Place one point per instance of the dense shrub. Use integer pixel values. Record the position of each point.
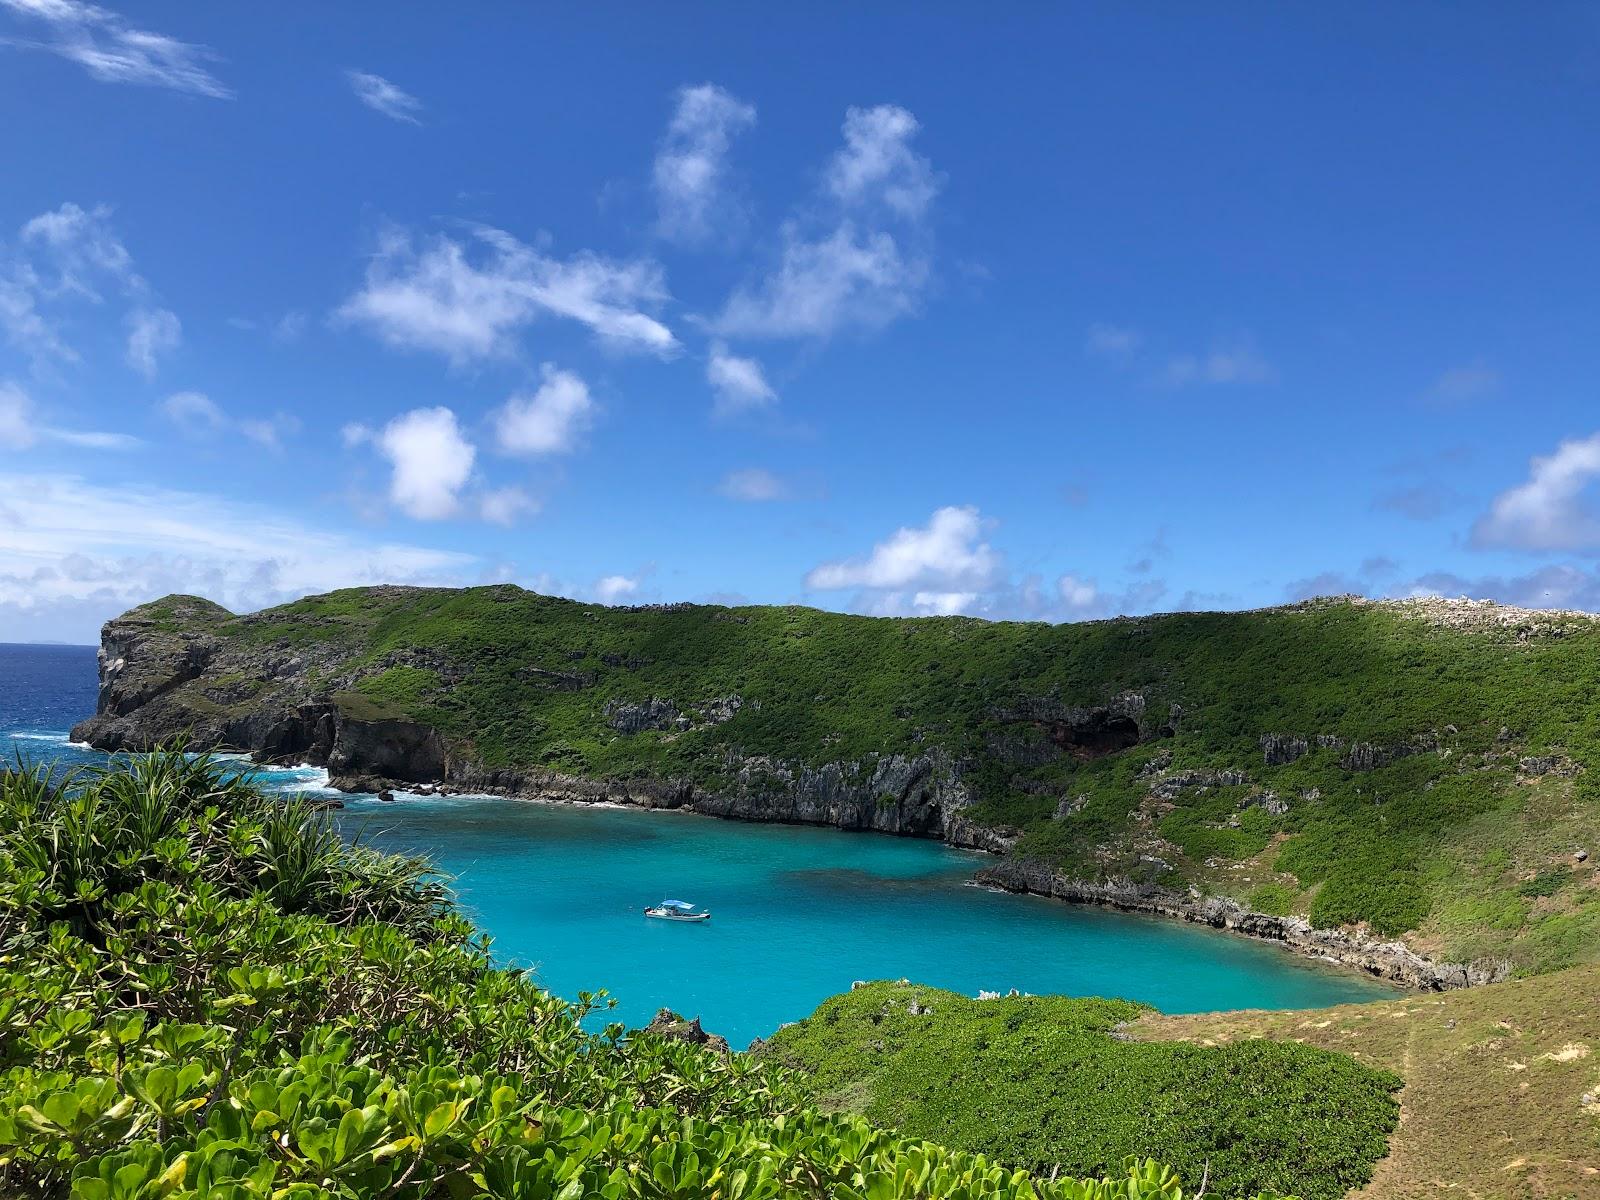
(1043, 1083)
(205, 994)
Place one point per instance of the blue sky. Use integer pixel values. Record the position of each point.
(1050, 312)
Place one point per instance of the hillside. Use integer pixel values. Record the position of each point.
(1502, 1084)
(1049, 1082)
(1499, 1095)
(1420, 768)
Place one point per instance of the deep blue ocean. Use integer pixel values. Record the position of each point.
(798, 913)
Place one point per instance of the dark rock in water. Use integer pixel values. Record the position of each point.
(324, 805)
(386, 796)
(668, 1024)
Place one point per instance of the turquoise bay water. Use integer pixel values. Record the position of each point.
(798, 913)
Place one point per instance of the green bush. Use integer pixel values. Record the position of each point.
(1042, 1082)
(205, 995)
(1273, 898)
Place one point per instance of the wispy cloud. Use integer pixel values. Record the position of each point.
(753, 485)
(198, 416)
(878, 166)
(850, 278)
(1113, 341)
(21, 427)
(443, 298)
(378, 94)
(506, 506)
(1240, 364)
(690, 177)
(739, 383)
(112, 51)
(65, 261)
(74, 553)
(864, 262)
(152, 332)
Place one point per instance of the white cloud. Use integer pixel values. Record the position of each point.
(505, 506)
(269, 432)
(83, 248)
(739, 383)
(943, 604)
(194, 412)
(877, 164)
(92, 439)
(1549, 511)
(1079, 596)
(1112, 340)
(431, 461)
(152, 332)
(866, 265)
(74, 553)
(197, 415)
(851, 277)
(548, 422)
(290, 327)
(355, 433)
(753, 484)
(112, 51)
(690, 175)
(614, 589)
(378, 94)
(72, 255)
(945, 555)
(1239, 365)
(16, 418)
(20, 428)
(437, 298)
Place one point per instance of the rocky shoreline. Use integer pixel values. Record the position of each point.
(1393, 961)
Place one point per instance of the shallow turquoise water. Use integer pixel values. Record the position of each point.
(798, 913)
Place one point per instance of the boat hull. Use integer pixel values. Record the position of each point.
(667, 916)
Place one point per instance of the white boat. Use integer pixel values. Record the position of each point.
(676, 910)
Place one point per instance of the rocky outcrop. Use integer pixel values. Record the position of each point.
(1089, 733)
(1389, 960)
(669, 1025)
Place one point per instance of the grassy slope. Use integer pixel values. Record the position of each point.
(1042, 1083)
(1446, 844)
(1501, 1083)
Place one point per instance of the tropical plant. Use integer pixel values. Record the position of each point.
(207, 995)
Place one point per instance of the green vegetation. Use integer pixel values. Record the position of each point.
(1043, 1082)
(206, 995)
(1422, 728)
(1502, 1083)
